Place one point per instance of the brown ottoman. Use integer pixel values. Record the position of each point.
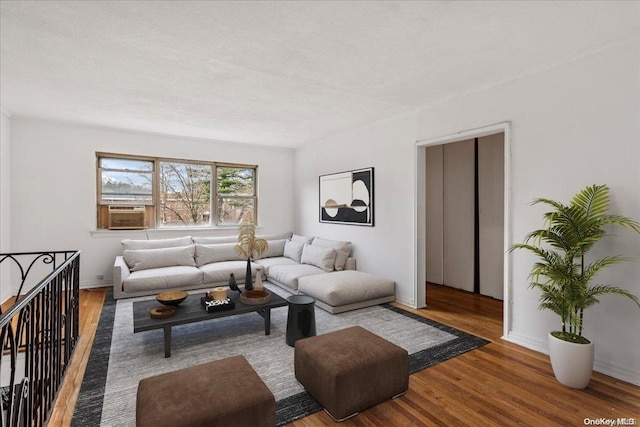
(226, 392)
(350, 370)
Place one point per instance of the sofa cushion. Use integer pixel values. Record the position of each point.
(288, 275)
(323, 258)
(275, 249)
(346, 287)
(301, 239)
(280, 236)
(266, 263)
(143, 259)
(160, 279)
(214, 240)
(206, 254)
(293, 250)
(343, 249)
(211, 240)
(218, 272)
(128, 244)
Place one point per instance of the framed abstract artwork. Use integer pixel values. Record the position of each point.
(347, 197)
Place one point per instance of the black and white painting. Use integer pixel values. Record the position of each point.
(347, 197)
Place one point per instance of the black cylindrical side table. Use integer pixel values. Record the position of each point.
(301, 320)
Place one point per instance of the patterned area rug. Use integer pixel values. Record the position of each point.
(120, 359)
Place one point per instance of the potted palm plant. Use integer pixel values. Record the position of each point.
(564, 274)
(248, 245)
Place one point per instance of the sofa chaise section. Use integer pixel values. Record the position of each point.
(346, 290)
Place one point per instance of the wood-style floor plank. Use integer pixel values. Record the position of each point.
(91, 301)
(499, 384)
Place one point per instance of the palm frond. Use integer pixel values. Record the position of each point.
(595, 291)
(592, 269)
(592, 200)
(621, 221)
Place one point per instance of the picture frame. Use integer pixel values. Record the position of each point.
(347, 197)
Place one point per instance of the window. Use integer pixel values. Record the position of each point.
(185, 194)
(126, 181)
(175, 193)
(235, 193)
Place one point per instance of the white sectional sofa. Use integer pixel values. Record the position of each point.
(299, 264)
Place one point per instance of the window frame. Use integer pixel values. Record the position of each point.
(217, 195)
(155, 210)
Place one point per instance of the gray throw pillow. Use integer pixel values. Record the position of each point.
(144, 259)
(323, 258)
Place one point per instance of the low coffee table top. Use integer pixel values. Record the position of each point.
(191, 310)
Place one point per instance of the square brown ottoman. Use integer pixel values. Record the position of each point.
(351, 370)
(226, 392)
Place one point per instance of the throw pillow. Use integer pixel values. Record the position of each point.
(206, 254)
(143, 259)
(323, 258)
(301, 239)
(128, 244)
(343, 249)
(293, 250)
(275, 249)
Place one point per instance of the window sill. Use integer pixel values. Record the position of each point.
(154, 233)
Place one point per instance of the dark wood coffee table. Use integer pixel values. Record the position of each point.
(191, 310)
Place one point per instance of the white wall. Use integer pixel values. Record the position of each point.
(573, 125)
(53, 181)
(6, 289)
(387, 248)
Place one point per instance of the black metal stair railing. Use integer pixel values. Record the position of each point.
(39, 334)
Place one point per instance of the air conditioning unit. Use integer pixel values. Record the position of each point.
(126, 217)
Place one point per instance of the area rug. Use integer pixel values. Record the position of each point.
(119, 358)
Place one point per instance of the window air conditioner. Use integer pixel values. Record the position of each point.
(126, 217)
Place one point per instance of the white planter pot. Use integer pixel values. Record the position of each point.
(572, 363)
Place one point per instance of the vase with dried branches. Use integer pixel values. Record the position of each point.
(248, 245)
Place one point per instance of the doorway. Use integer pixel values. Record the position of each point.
(465, 215)
(462, 213)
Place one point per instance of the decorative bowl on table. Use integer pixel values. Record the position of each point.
(255, 297)
(172, 298)
(162, 312)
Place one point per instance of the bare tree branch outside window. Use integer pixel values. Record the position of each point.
(185, 194)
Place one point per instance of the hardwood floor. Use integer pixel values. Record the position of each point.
(91, 301)
(500, 384)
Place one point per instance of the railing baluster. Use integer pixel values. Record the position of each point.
(42, 327)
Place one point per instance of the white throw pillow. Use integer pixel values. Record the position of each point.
(132, 245)
(293, 250)
(323, 258)
(276, 248)
(143, 259)
(343, 249)
(301, 239)
(206, 254)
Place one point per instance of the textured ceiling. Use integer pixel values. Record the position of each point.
(279, 73)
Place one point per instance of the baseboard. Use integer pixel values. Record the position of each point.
(606, 368)
(88, 284)
(624, 374)
(527, 341)
(406, 302)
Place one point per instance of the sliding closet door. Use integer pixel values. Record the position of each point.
(459, 214)
(491, 214)
(434, 214)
